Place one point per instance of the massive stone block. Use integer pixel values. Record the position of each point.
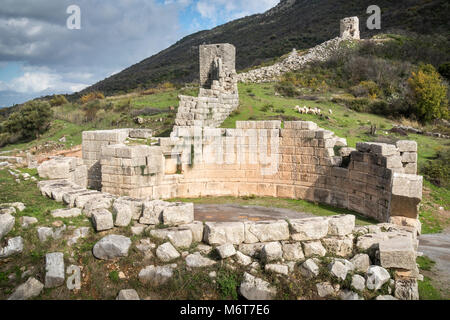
(406, 195)
(219, 233)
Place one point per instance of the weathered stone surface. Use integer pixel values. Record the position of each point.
(19, 206)
(376, 277)
(398, 253)
(309, 269)
(104, 201)
(349, 295)
(26, 222)
(341, 225)
(102, 220)
(338, 269)
(179, 237)
(138, 229)
(271, 251)
(253, 288)
(111, 247)
(309, 228)
(44, 233)
(134, 206)
(406, 146)
(178, 213)
(406, 195)
(326, 289)
(293, 252)
(407, 222)
(14, 246)
(242, 259)
(197, 230)
(361, 262)
(277, 268)
(252, 250)
(78, 233)
(218, 233)
(6, 224)
(370, 241)
(30, 289)
(155, 276)
(197, 261)
(54, 270)
(407, 289)
(266, 231)
(226, 250)
(128, 294)
(167, 252)
(123, 217)
(66, 213)
(152, 212)
(7, 210)
(358, 282)
(385, 297)
(339, 246)
(313, 249)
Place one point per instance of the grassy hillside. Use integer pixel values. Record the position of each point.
(292, 24)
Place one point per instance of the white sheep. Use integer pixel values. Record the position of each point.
(330, 111)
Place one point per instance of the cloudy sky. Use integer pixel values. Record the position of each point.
(39, 55)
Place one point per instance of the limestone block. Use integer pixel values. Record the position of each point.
(30, 289)
(197, 230)
(376, 277)
(152, 212)
(102, 220)
(313, 248)
(339, 246)
(309, 228)
(397, 253)
(266, 231)
(309, 269)
(180, 237)
(54, 270)
(111, 247)
(407, 146)
(128, 294)
(293, 251)
(406, 195)
(226, 250)
(407, 289)
(6, 224)
(155, 276)
(166, 252)
(178, 213)
(218, 233)
(338, 269)
(253, 288)
(271, 252)
(341, 225)
(197, 261)
(277, 268)
(361, 262)
(409, 157)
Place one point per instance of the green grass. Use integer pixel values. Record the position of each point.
(425, 263)
(427, 291)
(114, 276)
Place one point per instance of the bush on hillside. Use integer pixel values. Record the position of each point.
(91, 109)
(437, 171)
(58, 100)
(91, 97)
(32, 120)
(428, 94)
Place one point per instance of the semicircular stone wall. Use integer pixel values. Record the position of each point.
(294, 159)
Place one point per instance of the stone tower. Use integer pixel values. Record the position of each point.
(350, 28)
(216, 61)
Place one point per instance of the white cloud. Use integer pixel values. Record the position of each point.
(38, 81)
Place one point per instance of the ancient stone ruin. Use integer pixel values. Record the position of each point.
(127, 181)
(350, 28)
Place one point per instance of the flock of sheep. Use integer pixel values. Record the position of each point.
(306, 110)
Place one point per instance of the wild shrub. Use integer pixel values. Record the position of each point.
(91, 109)
(428, 94)
(437, 171)
(58, 100)
(91, 97)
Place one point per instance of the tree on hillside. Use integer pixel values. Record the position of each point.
(32, 120)
(58, 100)
(428, 94)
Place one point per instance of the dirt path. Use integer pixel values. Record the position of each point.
(231, 212)
(437, 248)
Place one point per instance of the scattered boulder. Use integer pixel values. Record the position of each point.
(135, 206)
(66, 213)
(128, 294)
(226, 250)
(167, 252)
(179, 237)
(309, 269)
(361, 262)
(349, 295)
(102, 202)
(397, 253)
(123, 218)
(277, 268)
(252, 250)
(102, 220)
(358, 282)
(253, 288)
(78, 233)
(326, 289)
(6, 224)
(7, 210)
(339, 246)
(242, 259)
(376, 277)
(14, 246)
(338, 269)
(26, 222)
(155, 276)
(54, 270)
(197, 261)
(271, 251)
(30, 289)
(314, 249)
(197, 230)
(138, 229)
(111, 247)
(44, 233)
(152, 212)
